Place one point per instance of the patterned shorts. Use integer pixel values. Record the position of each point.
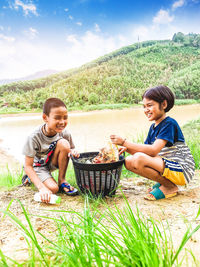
(174, 172)
(179, 163)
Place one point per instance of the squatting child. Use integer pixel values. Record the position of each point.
(164, 157)
(48, 149)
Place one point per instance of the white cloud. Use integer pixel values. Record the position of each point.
(66, 9)
(177, 4)
(1, 28)
(89, 46)
(140, 32)
(163, 17)
(97, 28)
(31, 33)
(24, 57)
(6, 38)
(79, 23)
(27, 8)
(70, 17)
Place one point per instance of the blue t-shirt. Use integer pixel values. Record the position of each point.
(168, 129)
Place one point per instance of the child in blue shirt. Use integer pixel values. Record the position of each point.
(164, 157)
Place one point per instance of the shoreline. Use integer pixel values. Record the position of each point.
(74, 112)
(8, 162)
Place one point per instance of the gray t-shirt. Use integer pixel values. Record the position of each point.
(41, 147)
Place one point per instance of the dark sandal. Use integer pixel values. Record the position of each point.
(26, 181)
(68, 186)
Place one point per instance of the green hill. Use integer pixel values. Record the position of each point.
(119, 77)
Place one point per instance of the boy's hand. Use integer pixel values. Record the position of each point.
(122, 150)
(74, 153)
(45, 194)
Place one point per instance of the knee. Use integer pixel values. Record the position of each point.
(54, 189)
(135, 162)
(63, 145)
(129, 163)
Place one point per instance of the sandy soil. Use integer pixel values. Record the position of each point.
(178, 212)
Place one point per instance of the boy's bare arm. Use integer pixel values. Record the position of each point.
(32, 174)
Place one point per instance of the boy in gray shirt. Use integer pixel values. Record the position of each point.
(48, 149)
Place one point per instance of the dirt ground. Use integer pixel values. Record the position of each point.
(178, 212)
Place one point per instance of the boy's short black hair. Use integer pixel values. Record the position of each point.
(159, 94)
(52, 102)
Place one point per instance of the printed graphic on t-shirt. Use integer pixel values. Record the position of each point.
(45, 161)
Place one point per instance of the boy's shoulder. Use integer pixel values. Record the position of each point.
(36, 131)
(65, 132)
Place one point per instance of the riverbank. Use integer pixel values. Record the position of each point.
(6, 111)
(8, 162)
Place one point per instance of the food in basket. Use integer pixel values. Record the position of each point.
(107, 154)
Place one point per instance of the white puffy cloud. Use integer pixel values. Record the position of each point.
(163, 17)
(31, 33)
(140, 32)
(177, 4)
(79, 23)
(24, 57)
(97, 28)
(27, 8)
(66, 9)
(7, 38)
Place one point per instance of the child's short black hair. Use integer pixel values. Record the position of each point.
(159, 94)
(52, 103)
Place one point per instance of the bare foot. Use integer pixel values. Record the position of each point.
(67, 190)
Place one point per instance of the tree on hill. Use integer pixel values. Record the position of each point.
(191, 39)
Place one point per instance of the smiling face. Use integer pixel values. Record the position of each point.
(154, 111)
(56, 121)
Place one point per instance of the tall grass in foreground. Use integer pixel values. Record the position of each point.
(9, 179)
(191, 132)
(115, 238)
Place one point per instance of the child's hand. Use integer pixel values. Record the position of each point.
(74, 153)
(117, 140)
(122, 150)
(45, 194)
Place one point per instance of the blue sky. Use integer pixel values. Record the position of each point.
(60, 34)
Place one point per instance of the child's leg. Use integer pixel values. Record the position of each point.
(151, 168)
(52, 185)
(60, 159)
(46, 178)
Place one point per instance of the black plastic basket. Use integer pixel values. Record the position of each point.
(97, 179)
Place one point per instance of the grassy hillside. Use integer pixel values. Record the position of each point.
(119, 77)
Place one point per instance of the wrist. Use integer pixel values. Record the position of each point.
(123, 142)
(40, 186)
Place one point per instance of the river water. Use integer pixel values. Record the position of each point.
(90, 130)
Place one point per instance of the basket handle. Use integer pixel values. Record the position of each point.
(71, 156)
